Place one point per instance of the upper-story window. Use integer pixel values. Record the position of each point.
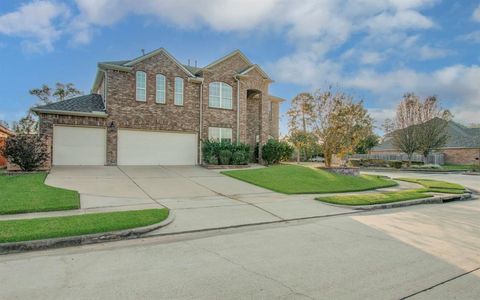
(141, 86)
(220, 95)
(160, 93)
(178, 91)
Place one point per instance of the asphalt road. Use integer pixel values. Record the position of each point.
(420, 252)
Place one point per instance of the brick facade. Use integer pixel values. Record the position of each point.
(453, 156)
(124, 112)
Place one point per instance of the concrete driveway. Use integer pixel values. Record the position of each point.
(200, 198)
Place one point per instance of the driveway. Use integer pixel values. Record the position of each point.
(200, 198)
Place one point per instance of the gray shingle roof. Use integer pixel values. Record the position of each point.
(87, 104)
(459, 136)
(192, 69)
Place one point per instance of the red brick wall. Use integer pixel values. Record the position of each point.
(3, 161)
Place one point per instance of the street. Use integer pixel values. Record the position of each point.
(422, 252)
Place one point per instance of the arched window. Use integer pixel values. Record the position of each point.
(141, 86)
(160, 93)
(220, 95)
(178, 91)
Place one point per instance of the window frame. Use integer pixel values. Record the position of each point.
(221, 134)
(221, 98)
(176, 93)
(157, 90)
(137, 88)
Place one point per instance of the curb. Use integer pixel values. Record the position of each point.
(86, 239)
(430, 200)
(426, 171)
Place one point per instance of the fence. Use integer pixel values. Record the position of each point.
(434, 158)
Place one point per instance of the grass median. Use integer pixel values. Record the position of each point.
(27, 193)
(291, 179)
(430, 186)
(54, 227)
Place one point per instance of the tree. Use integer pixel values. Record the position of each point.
(47, 95)
(388, 126)
(300, 109)
(4, 123)
(304, 142)
(367, 144)
(415, 130)
(27, 151)
(26, 125)
(338, 122)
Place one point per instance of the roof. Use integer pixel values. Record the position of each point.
(6, 131)
(236, 52)
(253, 67)
(82, 105)
(459, 136)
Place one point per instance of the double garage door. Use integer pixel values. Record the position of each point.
(87, 146)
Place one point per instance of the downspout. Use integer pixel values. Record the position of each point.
(201, 124)
(238, 109)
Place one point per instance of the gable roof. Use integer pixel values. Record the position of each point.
(221, 59)
(459, 136)
(254, 67)
(91, 104)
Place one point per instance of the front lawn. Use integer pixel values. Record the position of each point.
(430, 186)
(291, 179)
(28, 193)
(53, 227)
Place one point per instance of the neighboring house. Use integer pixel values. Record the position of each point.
(463, 145)
(153, 110)
(4, 134)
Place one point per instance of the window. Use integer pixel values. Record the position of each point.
(220, 95)
(220, 134)
(160, 94)
(141, 82)
(178, 91)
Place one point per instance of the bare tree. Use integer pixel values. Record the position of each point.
(62, 91)
(299, 123)
(26, 125)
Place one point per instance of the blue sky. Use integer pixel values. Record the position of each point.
(375, 49)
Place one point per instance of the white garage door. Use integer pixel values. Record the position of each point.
(156, 148)
(79, 146)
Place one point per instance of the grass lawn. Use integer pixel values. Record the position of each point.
(27, 193)
(52, 227)
(457, 167)
(292, 179)
(430, 186)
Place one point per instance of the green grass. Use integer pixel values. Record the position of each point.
(28, 193)
(291, 179)
(457, 167)
(430, 186)
(44, 228)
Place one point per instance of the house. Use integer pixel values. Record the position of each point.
(153, 110)
(462, 147)
(4, 134)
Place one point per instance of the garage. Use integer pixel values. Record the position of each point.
(136, 147)
(79, 146)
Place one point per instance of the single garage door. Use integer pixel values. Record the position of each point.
(75, 146)
(137, 147)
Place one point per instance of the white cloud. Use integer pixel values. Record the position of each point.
(426, 52)
(35, 23)
(473, 36)
(476, 14)
(371, 58)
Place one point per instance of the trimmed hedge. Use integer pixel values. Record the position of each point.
(274, 152)
(225, 153)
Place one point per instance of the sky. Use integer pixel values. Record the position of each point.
(376, 50)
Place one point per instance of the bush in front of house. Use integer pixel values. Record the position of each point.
(397, 164)
(274, 151)
(225, 153)
(28, 151)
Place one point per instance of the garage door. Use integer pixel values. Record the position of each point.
(79, 146)
(156, 148)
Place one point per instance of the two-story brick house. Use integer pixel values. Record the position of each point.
(153, 110)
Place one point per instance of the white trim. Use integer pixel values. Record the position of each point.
(175, 91)
(255, 67)
(227, 57)
(221, 96)
(164, 89)
(140, 88)
(155, 52)
(70, 113)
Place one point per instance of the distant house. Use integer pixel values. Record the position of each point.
(4, 134)
(463, 145)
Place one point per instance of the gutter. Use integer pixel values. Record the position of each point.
(70, 113)
(201, 124)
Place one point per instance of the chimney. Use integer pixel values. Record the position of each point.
(143, 51)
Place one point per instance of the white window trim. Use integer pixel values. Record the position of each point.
(222, 133)
(157, 91)
(222, 99)
(178, 94)
(143, 88)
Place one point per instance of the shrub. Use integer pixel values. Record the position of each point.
(427, 166)
(27, 151)
(239, 158)
(225, 156)
(475, 168)
(397, 164)
(355, 162)
(274, 151)
(212, 150)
